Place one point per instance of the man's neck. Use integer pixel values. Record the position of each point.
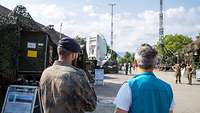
(141, 70)
(66, 61)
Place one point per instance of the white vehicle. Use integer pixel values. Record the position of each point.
(96, 47)
(198, 74)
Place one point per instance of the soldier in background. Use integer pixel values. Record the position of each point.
(188, 71)
(126, 68)
(130, 68)
(177, 70)
(65, 88)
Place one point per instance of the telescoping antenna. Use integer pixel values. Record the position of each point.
(111, 41)
(161, 29)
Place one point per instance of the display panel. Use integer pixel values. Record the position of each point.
(20, 99)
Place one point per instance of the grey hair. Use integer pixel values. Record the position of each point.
(146, 56)
(61, 50)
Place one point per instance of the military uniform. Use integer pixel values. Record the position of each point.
(126, 70)
(188, 71)
(177, 70)
(65, 89)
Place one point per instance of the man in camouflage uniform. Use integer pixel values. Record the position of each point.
(65, 88)
(177, 70)
(126, 68)
(188, 70)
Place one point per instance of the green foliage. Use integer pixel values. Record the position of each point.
(113, 56)
(173, 44)
(80, 40)
(127, 58)
(113, 53)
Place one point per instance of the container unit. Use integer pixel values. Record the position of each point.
(36, 52)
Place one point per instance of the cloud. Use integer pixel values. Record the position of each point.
(182, 20)
(47, 11)
(88, 9)
(129, 30)
(133, 31)
(43, 13)
(12, 3)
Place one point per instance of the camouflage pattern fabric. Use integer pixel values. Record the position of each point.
(188, 71)
(65, 89)
(177, 70)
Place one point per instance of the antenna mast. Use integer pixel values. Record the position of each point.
(161, 29)
(111, 41)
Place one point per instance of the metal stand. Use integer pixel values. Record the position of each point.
(38, 103)
(22, 97)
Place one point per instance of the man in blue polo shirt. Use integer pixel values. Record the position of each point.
(145, 93)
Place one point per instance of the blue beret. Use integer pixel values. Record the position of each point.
(69, 44)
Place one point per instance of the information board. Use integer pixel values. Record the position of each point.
(19, 99)
(99, 76)
(31, 45)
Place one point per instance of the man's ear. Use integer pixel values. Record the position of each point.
(73, 56)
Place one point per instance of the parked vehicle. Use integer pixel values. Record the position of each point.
(96, 47)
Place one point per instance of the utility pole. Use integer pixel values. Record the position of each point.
(60, 30)
(161, 29)
(111, 41)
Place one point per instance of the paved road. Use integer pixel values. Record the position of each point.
(187, 97)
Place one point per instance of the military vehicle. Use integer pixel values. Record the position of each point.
(96, 47)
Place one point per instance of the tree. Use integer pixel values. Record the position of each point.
(121, 60)
(113, 53)
(80, 40)
(172, 44)
(127, 58)
(170, 49)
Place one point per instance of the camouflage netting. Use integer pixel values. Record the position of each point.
(10, 27)
(8, 53)
(8, 47)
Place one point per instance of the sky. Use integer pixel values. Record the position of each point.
(135, 21)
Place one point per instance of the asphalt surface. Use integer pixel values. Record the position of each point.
(187, 97)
